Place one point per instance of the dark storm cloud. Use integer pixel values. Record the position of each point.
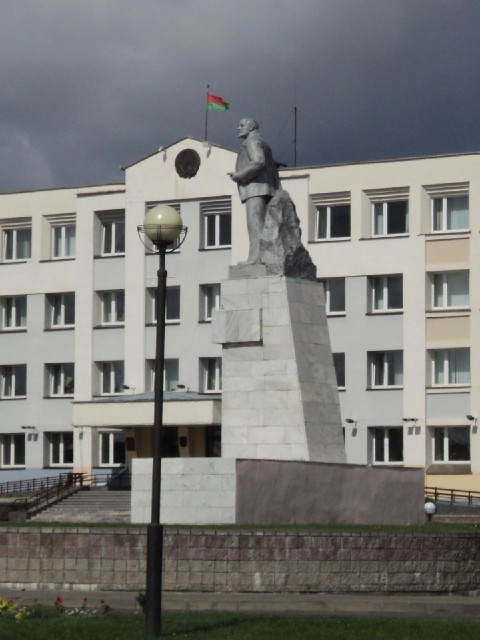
(89, 86)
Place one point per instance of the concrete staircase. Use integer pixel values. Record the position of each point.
(92, 505)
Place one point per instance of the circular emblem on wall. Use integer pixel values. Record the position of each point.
(187, 163)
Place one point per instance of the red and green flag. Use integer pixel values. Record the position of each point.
(216, 103)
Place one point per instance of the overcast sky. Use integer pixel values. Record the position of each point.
(89, 86)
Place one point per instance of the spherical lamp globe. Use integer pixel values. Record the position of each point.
(163, 224)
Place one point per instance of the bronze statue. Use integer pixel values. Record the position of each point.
(257, 178)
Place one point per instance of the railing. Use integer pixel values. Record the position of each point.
(38, 492)
(38, 484)
(453, 495)
(41, 492)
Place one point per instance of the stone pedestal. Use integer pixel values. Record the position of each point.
(279, 390)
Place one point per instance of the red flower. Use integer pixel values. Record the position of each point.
(58, 600)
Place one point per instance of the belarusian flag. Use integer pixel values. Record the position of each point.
(217, 103)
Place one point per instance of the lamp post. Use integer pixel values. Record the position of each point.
(163, 227)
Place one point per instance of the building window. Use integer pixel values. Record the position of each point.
(170, 374)
(217, 223)
(17, 244)
(112, 377)
(451, 444)
(13, 381)
(339, 364)
(211, 369)
(390, 218)
(63, 241)
(60, 449)
(62, 310)
(450, 214)
(334, 296)
(386, 368)
(61, 379)
(12, 450)
(113, 307)
(333, 221)
(450, 289)
(387, 444)
(14, 312)
(209, 301)
(451, 366)
(112, 448)
(113, 236)
(387, 293)
(172, 305)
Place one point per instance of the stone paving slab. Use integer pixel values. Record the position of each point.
(375, 605)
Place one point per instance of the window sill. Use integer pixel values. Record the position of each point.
(67, 327)
(387, 236)
(388, 464)
(62, 259)
(10, 398)
(205, 321)
(336, 314)
(459, 388)
(448, 312)
(386, 388)
(449, 468)
(385, 312)
(12, 466)
(440, 235)
(14, 330)
(16, 261)
(220, 248)
(101, 256)
(67, 465)
(322, 240)
(68, 396)
(113, 325)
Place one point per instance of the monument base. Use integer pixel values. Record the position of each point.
(212, 491)
(279, 388)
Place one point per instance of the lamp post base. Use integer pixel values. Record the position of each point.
(153, 596)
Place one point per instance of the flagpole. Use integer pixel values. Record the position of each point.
(206, 113)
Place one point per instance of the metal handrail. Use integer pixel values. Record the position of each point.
(452, 495)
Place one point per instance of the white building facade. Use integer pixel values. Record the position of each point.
(394, 242)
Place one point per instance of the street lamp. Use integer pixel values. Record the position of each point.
(164, 228)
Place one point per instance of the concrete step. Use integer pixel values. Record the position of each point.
(94, 505)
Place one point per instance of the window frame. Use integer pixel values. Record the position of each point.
(63, 448)
(113, 304)
(385, 434)
(12, 440)
(446, 370)
(14, 230)
(168, 362)
(221, 213)
(14, 313)
(58, 378)
(329, 294)
(338, 366)
(211, 369)
(329, 210)
(63, 300)
(114, 223)
(389, 367)
(446, 290)
(209, 292)
(10, 373)
(110, 436)
(445, 442)
(385, 282)
(114, 370)
(64, 241)
(444, 213)
(386, 216)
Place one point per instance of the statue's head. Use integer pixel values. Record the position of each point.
(245, 126)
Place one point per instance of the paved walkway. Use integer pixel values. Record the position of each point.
(405, 605)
